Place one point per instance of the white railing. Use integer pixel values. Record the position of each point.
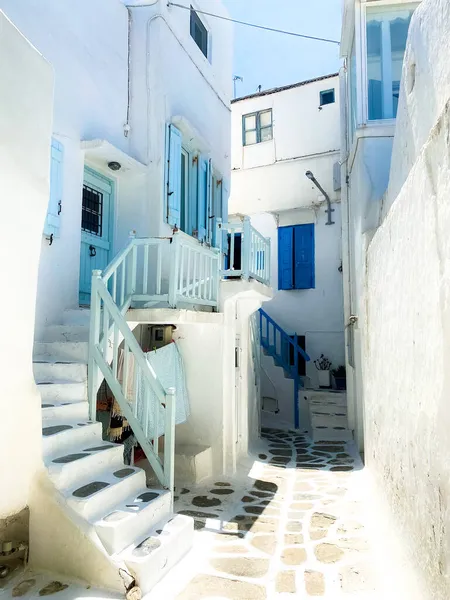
(115, 353)
(253, 259)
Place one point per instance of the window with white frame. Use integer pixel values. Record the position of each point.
(257, 127)
(199, 33)
(387, 32)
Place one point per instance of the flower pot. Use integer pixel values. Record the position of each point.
(340, 383)
(324, 379)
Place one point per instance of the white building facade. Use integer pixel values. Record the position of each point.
(138, 140)
(277, 137)
(373, 43)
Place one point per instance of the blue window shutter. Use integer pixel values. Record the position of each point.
(202, 197)
(304, 271)
(285, 258)
(192, 197)
(209, 204)
(225, 197)
(53, 219)
(173, 174)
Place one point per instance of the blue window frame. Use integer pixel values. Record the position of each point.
(296, 257)
(327, 97)
(257, 127)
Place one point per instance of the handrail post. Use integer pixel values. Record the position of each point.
(132, 236)
(174, 270)
(219, 242)
(169, 441)
(246, 249)
(269, 257)
(94, 338)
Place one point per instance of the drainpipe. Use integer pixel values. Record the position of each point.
(310, 175)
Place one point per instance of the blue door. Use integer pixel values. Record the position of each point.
(96, 222)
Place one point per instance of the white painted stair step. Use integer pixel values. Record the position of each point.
(59, 436)
(94, 497)
(64, 391)
(329, 421)
(77, 316)
(131, 520)
(66, 333)
(67, 351)
(331, 434)
(59, 371)
(157, 553)
(68, 469)
(63, 411)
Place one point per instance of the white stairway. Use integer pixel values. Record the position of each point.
(328, 410)
(124, 526)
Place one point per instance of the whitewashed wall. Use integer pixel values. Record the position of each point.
(407, 380)
(26, 97)
(270, 176)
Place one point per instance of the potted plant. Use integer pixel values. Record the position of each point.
(323, 365)
(340, 378)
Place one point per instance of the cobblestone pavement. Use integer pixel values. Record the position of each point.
(292, 526)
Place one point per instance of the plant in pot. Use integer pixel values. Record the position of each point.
(340, 378)
(323, 365)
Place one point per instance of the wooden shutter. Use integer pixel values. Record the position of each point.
(285, 258)
(53, 219)
(173, 175)
(202, 197)
(304, 269)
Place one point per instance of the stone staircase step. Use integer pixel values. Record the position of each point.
(130, 521)
(154, 555)
(63, 391)
(59, 371)
(67, 468)
(328, 421)
(331, 434)
(60, 436)
(63, 411)
(94, 496)
(61, 351)
(77, 316)
(66, 333)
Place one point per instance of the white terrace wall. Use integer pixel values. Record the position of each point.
(407, 324)
(26, 97)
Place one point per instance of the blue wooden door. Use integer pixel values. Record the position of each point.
(96, 218)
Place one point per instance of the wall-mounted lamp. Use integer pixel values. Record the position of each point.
(195, 159)
(310, 176)
(114, 165)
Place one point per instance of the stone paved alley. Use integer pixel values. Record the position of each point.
(293, 527)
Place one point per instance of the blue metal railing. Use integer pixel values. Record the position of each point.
(281, 346)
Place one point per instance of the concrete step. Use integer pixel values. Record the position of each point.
(59, 436)
(45, 372)
(61, 351)
(331, 434)
(192, 464)
(130, 520)
(68, 468)
(66, 333)
(63, 411)
(64, 391)
(94, 496)
(329, 421)
(159, 551)
(77, 316)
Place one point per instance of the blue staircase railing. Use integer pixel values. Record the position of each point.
(281, 346)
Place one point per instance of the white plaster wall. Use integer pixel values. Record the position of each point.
(26, 97)
(406, 327)
(87, 46)
(271, 175)
(172, 78)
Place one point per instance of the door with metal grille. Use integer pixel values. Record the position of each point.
(95, 229)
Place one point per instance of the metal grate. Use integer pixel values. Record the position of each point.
(92, 212)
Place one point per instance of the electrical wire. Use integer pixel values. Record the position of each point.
(292, 33)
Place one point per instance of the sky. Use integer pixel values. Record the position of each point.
(272, 59)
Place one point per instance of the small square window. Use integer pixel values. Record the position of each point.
(257, 127)
(199, 33)
(327, 97)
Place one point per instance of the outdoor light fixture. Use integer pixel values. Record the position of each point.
(329, 210)
(114, 165)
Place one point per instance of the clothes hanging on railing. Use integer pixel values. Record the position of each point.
(168, 366)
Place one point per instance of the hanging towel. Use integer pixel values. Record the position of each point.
(118, 424)
(168, 366)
